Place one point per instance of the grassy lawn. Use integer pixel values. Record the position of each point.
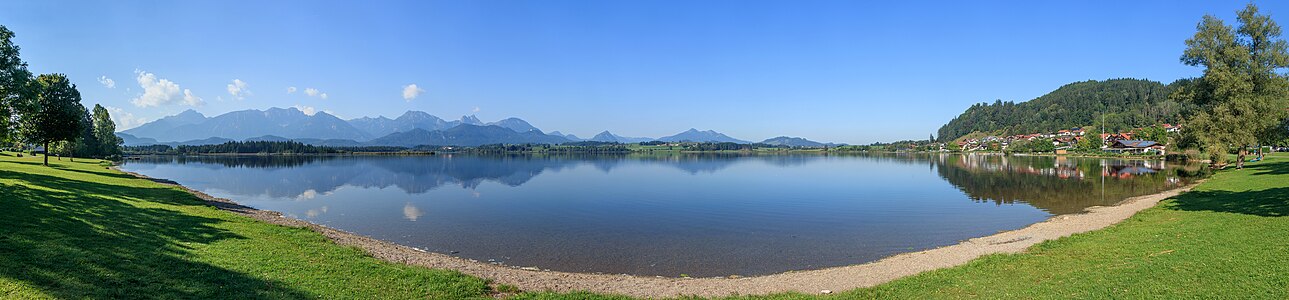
(1228, 238)
(78, 230)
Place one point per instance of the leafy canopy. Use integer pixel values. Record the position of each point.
(55, 114)
(1241, 98)
(14, 78)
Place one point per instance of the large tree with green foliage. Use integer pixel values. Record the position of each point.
(1241, 98)
(55, 113)
(105, 133)
(87, 144)
(14, 78)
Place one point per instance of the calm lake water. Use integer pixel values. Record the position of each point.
(701, 215)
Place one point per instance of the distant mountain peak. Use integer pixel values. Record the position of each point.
(471, 119)
(793, 142)
(570, 137)
(373, 119)
(694, 135)
(190, 112)
(606, 136)
(415, 114)
(512, 123)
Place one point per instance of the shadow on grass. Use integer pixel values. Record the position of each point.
(1272, 202)
(1270, 168)
(104, 173)
(78, 242)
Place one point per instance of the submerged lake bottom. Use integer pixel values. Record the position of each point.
(700, 215)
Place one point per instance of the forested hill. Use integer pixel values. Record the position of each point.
(1125, 103)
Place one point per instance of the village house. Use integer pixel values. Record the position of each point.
(1135, 146)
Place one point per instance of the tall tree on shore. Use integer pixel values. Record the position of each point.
(55, 113)
(105, 132)
(87, 143)
(14, 78)
(1241, 96)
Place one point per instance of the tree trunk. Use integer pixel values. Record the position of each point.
(46, 154)
(1239, 159)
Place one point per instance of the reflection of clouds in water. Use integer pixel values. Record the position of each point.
(310, 194)
(412, 212)
(475, 193)
(313, 213)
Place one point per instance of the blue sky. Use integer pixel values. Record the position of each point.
(839, 71)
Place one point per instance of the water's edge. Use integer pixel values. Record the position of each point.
(808, 281)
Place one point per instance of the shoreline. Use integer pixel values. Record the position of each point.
(818, 281)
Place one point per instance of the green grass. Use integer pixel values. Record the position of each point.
(1228, 238)
(79, 230)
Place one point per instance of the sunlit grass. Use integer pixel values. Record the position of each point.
(81, 230)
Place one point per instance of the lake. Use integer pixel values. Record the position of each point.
(672, 214)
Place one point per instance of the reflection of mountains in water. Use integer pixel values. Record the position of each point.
(307, 176)
(1060, 185)
(1057, 185)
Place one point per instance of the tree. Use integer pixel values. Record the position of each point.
(1020, 146)
(1042, 145)
(14, 78)
(55, 114)
(105, 132)
(1151, 133)
(1240, 97)
(1089, 143)
(86, 144)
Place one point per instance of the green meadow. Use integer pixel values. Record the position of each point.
(78, 230)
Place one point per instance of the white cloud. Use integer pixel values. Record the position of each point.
(323, 96)
(411, 91)
(107, 82)
(156, 91)
(476, 109)
(191, 99)
(123, 119)
(308, 110)
(238, 89)
(290, 90)
(311, 92)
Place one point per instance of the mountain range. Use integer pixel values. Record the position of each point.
(796, 142)
(609, 137)
(693, 135)
(412, 128)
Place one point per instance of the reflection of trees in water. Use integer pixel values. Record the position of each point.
(303, 177)
(1060, 185)
(1054, 184)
